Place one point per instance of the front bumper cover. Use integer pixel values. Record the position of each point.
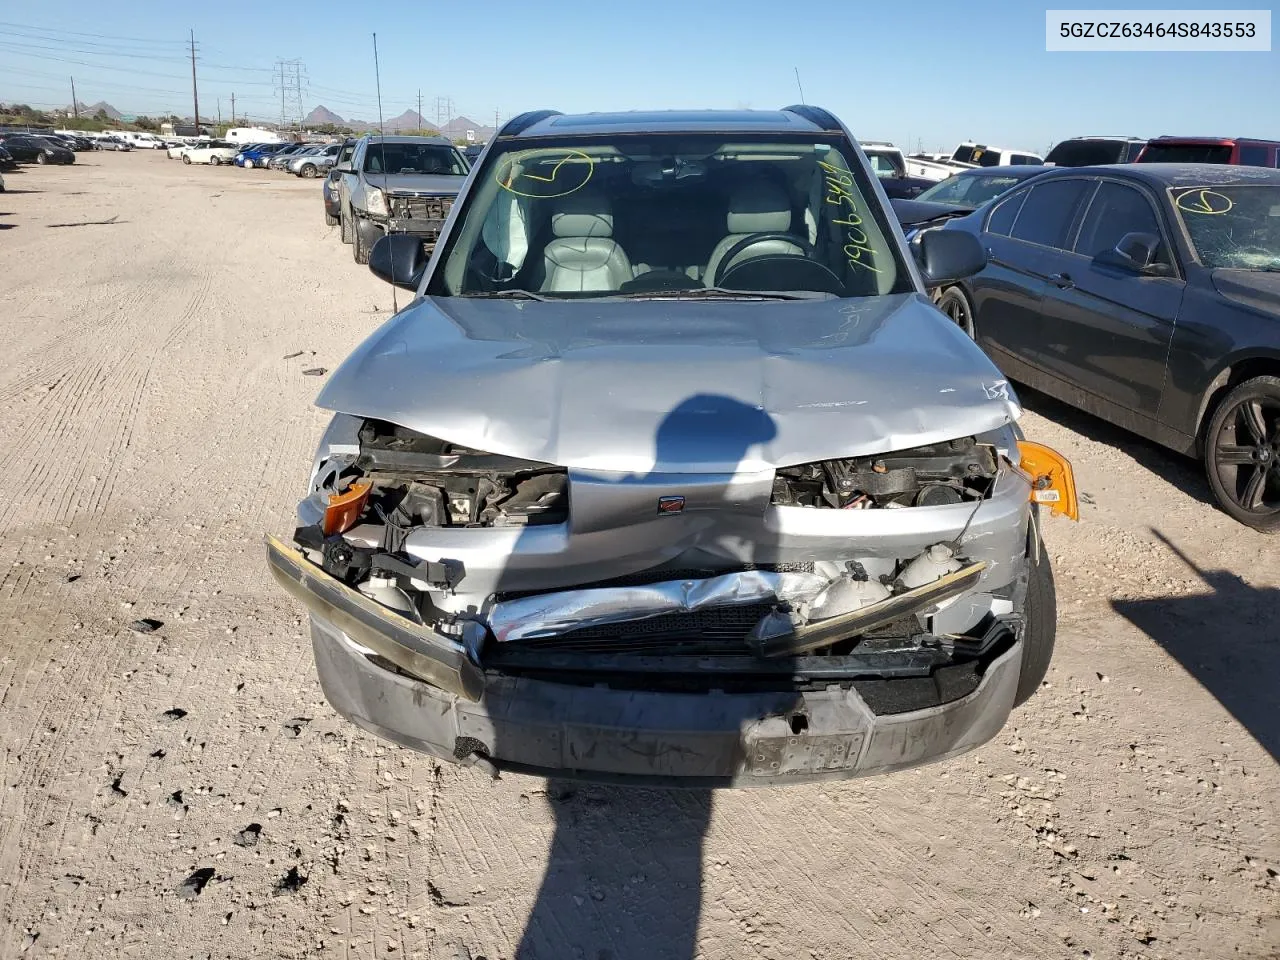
(598, 732)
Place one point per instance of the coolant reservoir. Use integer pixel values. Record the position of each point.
(937, 561)
(385, 591)
(844, 596)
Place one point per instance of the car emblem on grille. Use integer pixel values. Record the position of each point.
(670, 505)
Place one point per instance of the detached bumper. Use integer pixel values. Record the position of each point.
(598, 732)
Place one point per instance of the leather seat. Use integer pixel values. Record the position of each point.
(758, 207)
(584, 257)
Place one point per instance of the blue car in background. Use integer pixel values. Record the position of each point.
(256, 154)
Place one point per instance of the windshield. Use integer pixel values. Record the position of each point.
(647, 214)
(438, 158)
(969, 191)
(1187, 153)
(1232, 226)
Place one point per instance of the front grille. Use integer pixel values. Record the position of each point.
(714, 630)
(422, 208)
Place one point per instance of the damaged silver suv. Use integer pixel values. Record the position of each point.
(672, 472)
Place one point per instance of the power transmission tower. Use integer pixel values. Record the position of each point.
(444, 111)
(195, 97)
(291, 81)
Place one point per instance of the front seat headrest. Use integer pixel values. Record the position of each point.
(583, 216)
(760, 207)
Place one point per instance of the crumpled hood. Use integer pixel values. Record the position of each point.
(412, 184)
(1253, 288)
(675, 386)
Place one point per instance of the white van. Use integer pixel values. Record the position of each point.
(241, 135)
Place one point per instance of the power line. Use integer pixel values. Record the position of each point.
(99, 36)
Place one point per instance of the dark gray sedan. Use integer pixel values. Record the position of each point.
(1149, 296)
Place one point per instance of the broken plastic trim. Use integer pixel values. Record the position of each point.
(414, 648)
(791, 639)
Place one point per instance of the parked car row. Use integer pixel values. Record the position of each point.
(37, 148)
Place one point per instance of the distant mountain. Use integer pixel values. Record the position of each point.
(91, 109)
(409, 120)
(457, 128)
(320, 116)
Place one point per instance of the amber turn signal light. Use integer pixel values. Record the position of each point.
(1053, 483)
(344, 508)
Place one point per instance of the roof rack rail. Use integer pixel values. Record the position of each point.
(524, 121)
(816, 115)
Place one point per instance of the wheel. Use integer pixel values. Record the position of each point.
(41, 158)
(954, 302)
(215, 161)
(330, 220)
(359, 249)
(186, 159)
(248, 164)
(348, 228)
(1041, 628)
(308, 170)
(1242, 453)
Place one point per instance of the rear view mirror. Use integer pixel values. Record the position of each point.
(947, 255)
(398, 258)
(343, 168)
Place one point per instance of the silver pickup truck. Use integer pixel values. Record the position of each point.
(398, 185)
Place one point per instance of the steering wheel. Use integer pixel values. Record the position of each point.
(754, 238)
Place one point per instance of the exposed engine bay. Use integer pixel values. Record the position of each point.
(375, 503)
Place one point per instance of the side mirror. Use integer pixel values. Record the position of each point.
(1138, 252)
(398, 258)
(343, 168)
(947, 255)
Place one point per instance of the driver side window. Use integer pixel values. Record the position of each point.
(1116, 210)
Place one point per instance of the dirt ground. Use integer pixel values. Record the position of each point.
(157, 324)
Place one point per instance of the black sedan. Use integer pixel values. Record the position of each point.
(1149, 296)
(29, 147)
(6, 159)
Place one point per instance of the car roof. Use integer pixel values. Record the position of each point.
(1209, 140)
(1161, 175)
(1103, 136)
(667, 121)
(392, 138)
(1025, 170)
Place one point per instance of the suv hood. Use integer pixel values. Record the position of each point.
(682, 386)
(1253, 288)
(415, 184)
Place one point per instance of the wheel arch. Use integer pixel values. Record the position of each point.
(1234, 370)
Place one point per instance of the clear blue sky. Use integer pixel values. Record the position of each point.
(937, 70)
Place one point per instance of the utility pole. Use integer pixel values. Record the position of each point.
(219, 111)
(419, 110)
(282, 95)
(75, 107)
(195, 97)
(233, 109)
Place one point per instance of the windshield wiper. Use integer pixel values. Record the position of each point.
(721, 293)
(506, 295)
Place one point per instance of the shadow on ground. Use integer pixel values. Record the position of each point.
(1183, 472)
(1227, 638)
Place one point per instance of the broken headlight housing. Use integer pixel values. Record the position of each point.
(938, 474)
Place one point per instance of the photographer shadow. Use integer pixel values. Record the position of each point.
(624, 874)
(1227, 639)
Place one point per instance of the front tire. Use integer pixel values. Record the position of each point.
(1242, 453)
(955, 304)
(186, 159)
(308, 170)
(359, 249)
(215, 161)
(41, 158)
(1041, 628)
(348, 228)
(248, 164)
(330, 220)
